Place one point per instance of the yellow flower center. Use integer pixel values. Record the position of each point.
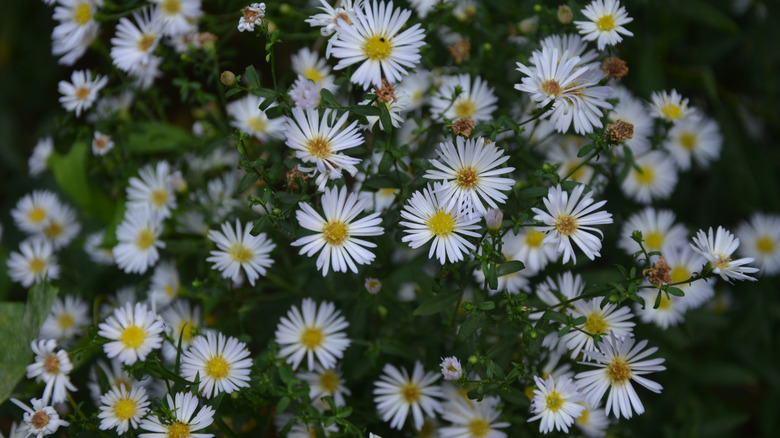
(52, 365)
(144, 239)
(37, 265)
(646, 176)
(441, 223)
(121, 381)
(313, 74)
(132, 337)
(584, 417)
(146, 41)
(654, 240)
(534, 238)
(54, 229)
(329, 381)
(606, 23)
(257, 123)
(312, 338)
(318, 146)
(82, 93)
(39, 420)
(377, 48)
(618, 371)
(187, 329)
(171, 7)
(125, 409)
(465, 108)
(595, 324)
(529, 392)
(159, 197)
(335, 232)
(83, 14)
(566, 225)
(467, 178)
(722, 262)
(417, 96)
(551, 87)
(680, 273)
(410, 392)
(479, 428)
(178, 430)
(765, 244)
(665, 303)
(217, 367)
(170, 291)
(240, 253)
(672, 111)
(388, 191)
(36, 215)
(66, 321)
(553, 401)
(688, 140)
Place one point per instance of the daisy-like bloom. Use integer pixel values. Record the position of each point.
(717, 249)
(395, 394)
(152, 188)
(68, 317)
(312, 332)
(683, 262)
(669, 106)
(560, 78)
(178, 16)
(33, 263)
(102, 143)
(632, 110)
(451, 368)
(222, 363)
(252, 16)
(607, 18)
(61, 226)
(337, 233)
(325, 382)
(238, 248)
(321, 140)
(373, 285)
(423, 7)
(670, 311)
(427, 217)
(760, 238)
(185, 422)
(471, 175)
(51, 368)
(371, 35)
(416, 86)
(573, 44)
(571, 218)
(139, 239)
(696, 138)
(165, 284)
(473, 419)
(99, 255)
(134, 44)
(32, 212)
(307, 64)
(40, 154)
(145, 73)
(41, 420)
(251, 119)
(657, 179)
(305, 94)
(658, 230)
(396, 108)
(476, 101)
(81, 92)
(592, 421)
(512, 283)
(566, 285)
(133, 332)
(181, 323)
(564, 154)
(76, 30)
(556, 403)
(71, 50)
(122, 408)
(609, 320)
(619, 362)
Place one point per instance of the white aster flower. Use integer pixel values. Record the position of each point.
(694, 138)
(51, 368)
(32, 212)
(122, 408)
(68, 317)
(592, 421)
(619, 362)
(396, 108)
(307, 64)
(305, 94)
(572, 44)
(395, 394)
(238, 248)
(717, 249)
(657, 179)
(133, 332)
(182, 321)
(472, 419)
(221, 195)
(322, 383)
(416, 86)
(372, 36)
(424, 7)
(556, 403)
(185, 422)
(760, 238)
(223, 364)
(476, 100)
(40, 154)
(102, 143)
(96, 253)
(165, 284)
(35, 262)
(252, 16)
(40, 420)
(152, 188)
(669, 106)
(328, 19)
(177, 16)
(134, 44)
(251, 119)
(451, 368)
(658, 231)
(373, 285)
(683, 262)
(563, 288)
(632, 110)
(426, 217)
(571, 218)
(61, 226)
(139, 239)
(564, 154)
(605, 321)
(76, 30)
(670, 311)
(81, 92)
(607, 18)
(145, 72)
(312, 332)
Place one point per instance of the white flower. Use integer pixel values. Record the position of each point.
(607, 320)
(760, 238)
(670, 311)
(395, 394)
(564, 154)
(476, 101)
(312, 332)
(240, 249)
(51, 368)
(632, 110)
(32, 212)
(134, 44)
(33, 263)
(374, 39)
(451, 368)
(40, 154)
(251, 119)
(669, 106)
(76, 30)
(177, 16)
(139, 238)
(220, 197)
(102, 143)
(40, 420)
(185, 420)
(571, 218)
(592, 421)
(657, 179)
(223, 364)
(61, 226)
(336, 233)
(658, 231)
(572, 43)
(472, 419)
(152, 188)
(607, 18)
(96, 253)
(328, 19)
(181, 323)
(122, 407)
(322, 383)
(718, 249)
(145, 72)
(567, 285)
(696, 138)
(416, 86)
(68, 317)
(133, 332)
(556, 403)
(81, 92)
(115, 376)
(471, 175)
(307, 64)
(165, 284)
(373, 285)
(252, 16)
(305, 94)
(683, 262)
(619, 362)
(396, 108)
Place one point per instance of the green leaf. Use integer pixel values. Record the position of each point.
(251, 77)
(384, 117)
(380, 182)
(492, 277)
(282, 405)
(676, 291)
(532, 192)
(70, 171)
(265, 93)
(156, 137)
(552, 315)
(246, 181)
(328, 98)
(471, 324)
(510, 267)
(437, 303)
(585, 150)
(365, 110)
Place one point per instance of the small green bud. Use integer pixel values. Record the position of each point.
(614, 298)
(228, 78)
(538, 8)
(534, 334)
(548, 168)
(473, 359)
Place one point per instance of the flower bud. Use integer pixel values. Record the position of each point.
(493, 218)
(228, 78)
(564, 14)
(529, 25)
(451, 369)
(373, 286)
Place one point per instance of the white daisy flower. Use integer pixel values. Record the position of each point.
(312, 332)
(694, 138)
(564, 154)
(139, 239)
(96, 253)
(51, 368)
(68, 317)
(223, 364)
(252, 16)
(416, 86)
(122, 408)
(372, 36)
(658, 231)
(451, 368)
(182, 321)
(572, 44)
(717, 249)
(336, 233)
(144, 73)
(240, 249)
(607, 320)
(40, 154)
(396, 109)
(424, 7)
(683, 262)
(61, 226)
(35, 262)
(116, 377)
(134, 44)
(133, 332)
(571, 218)
(607, 18)
(670, 311)
(307, 64)
(395, 394)
(471, 175)
(152, 188)
(165, 285)
(221, 195)
(178, 16)
(102, 143)
(760, 238)
(325, 382)
(657, 179)
(556, 403)
(251, 119)
(328, 19)
(592, 421)
(185, 422)
(76, 30)
(40, 420)
(669, 106)
(515, 282)
(373, 285)
(567, 285)
(305, 94)
(426, 217)
(81, 92)
(473, 419)
(619, 362)
(32, 212)
(476, 100)
(632, 110)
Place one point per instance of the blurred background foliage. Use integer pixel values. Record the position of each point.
(722, 376)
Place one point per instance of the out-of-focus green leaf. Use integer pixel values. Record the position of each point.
(70, 172)
(155, 137)
(437, 303)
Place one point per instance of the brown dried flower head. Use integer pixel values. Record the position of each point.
(386, 93)
(620, 131)
(463, 126)
(614, 67)
(660, 273)
(460, 50)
